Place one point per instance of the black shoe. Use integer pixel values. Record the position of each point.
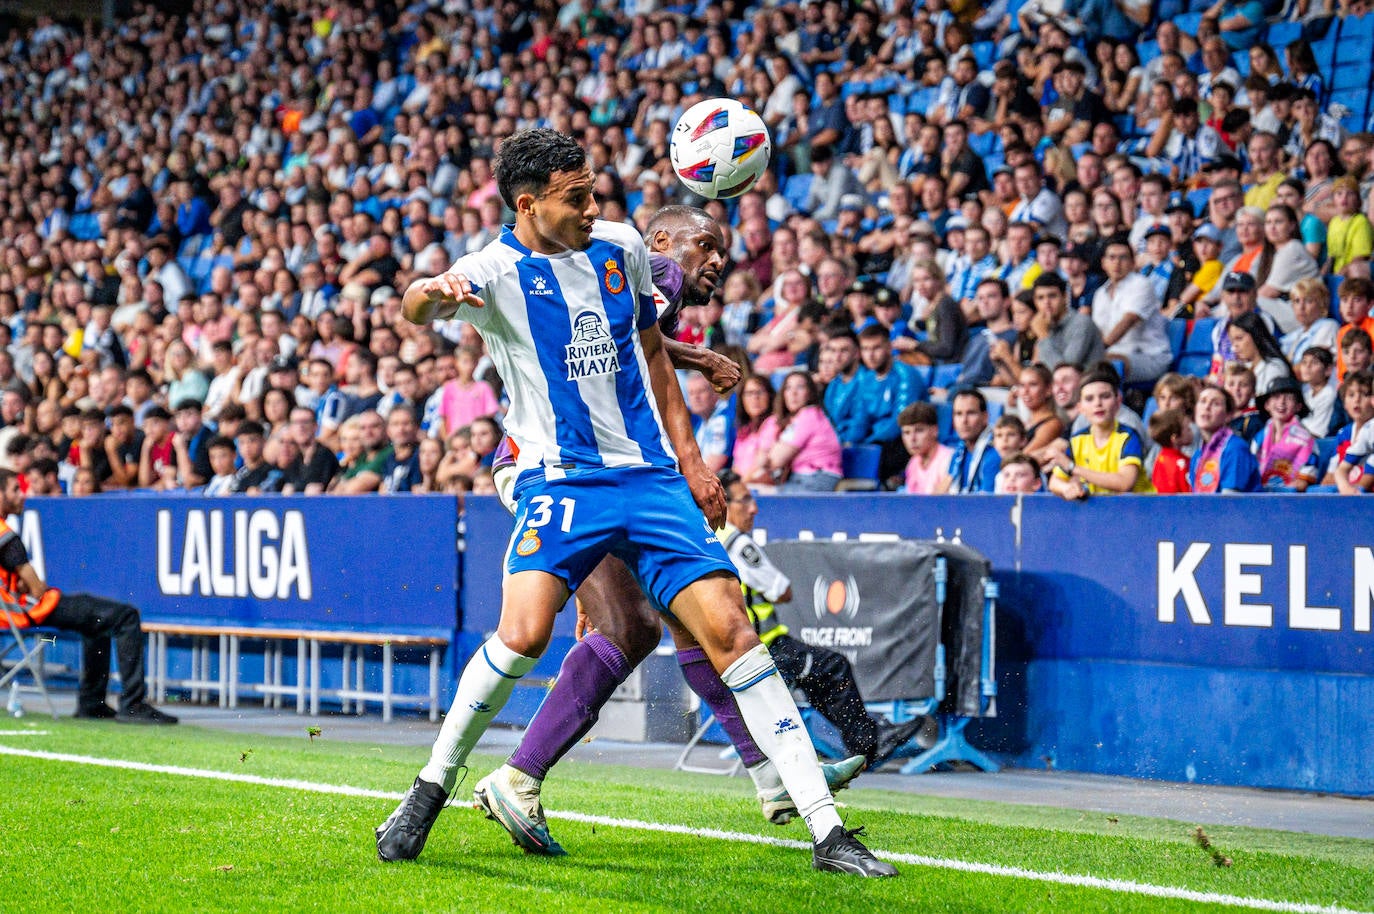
(95, 712)
(144, 713)
(402, 836)
(841, 852)
(892, 737)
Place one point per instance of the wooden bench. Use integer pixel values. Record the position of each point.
(225, 684)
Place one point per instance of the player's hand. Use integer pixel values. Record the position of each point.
(583, 625)
(708, 493)
(722, 372)
(451, 289)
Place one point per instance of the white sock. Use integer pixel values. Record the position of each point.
(773, 720)
(486, 683)
(766, 780)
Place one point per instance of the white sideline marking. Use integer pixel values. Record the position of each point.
(23, 732)
(991, 869)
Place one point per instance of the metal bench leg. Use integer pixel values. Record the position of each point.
(314, 677)
(359, 702)
(300, 675)
(433, 684)
(233, 672)
(386, 683)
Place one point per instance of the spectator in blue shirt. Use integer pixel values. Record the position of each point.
(885, 388)
(1222, 461)
(713, 422)
(842, 402)
(974, 465)
(1240, 22)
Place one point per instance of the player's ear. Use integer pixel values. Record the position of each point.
(660, 240)
(524, 203)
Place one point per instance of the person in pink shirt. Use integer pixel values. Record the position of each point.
(754, 408)
(800, 450)
(464, 398)
(927, 470)
(1286, 450)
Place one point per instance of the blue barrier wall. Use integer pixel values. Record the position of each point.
(386, 564)
(1214, 639)
(1221, 639)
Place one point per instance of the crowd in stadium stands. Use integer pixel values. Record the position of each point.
(1083, 246)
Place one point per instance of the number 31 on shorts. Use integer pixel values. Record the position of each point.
(540, 512)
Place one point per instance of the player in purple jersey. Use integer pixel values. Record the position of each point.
(565, 304)
(616, 626)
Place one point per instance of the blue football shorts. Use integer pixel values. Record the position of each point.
(645, 516)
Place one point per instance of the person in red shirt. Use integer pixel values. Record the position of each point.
(1172, 429)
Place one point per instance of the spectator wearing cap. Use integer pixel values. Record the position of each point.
(1037, 203)
(1207, 251)
(1157, 263)
(1077, 262)
(1062, 335)
(831, 181)
(1128, 315)
(1237, 297)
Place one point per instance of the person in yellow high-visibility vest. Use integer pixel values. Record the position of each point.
(824, 676)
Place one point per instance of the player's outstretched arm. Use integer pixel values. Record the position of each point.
(438, 297)
(706, 489)
(722, 372)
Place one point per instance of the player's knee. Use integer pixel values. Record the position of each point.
(528, 640)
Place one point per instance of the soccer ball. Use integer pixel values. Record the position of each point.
(719, 148)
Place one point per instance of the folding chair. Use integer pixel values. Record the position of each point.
(29, 650)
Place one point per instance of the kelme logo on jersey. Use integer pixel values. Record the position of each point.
(539, 286)
(615, 280)
(529, 544)
(592, 352)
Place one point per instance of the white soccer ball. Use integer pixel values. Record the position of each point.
(719, 148)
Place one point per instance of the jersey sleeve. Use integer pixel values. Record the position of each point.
(755, 570)
(13, 555)
(1131, 450)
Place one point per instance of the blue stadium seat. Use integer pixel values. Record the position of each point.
(920, 100)
(1195, 365)
(1148, 51)
(796, 189)
(1324, 52)
(995, 410)
(1351, 51)
(1178, 335)
(1197, 199)
(1281, 34)
(1352, 76)
(860, 461)
(925, 373)
(945, 375)
(1326, 449)
(1357, 31)
(1151, 407)
(1333, 285)
(1200, 337)
(945, 413)
(985, 144)
(1242, 64)
(1188, 22)
(1195, 7)
(984, 52)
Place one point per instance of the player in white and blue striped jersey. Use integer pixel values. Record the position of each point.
(607, 465)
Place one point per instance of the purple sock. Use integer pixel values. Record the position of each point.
(705, 681)
(590, 674)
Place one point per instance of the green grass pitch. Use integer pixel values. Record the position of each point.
(82, 838)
